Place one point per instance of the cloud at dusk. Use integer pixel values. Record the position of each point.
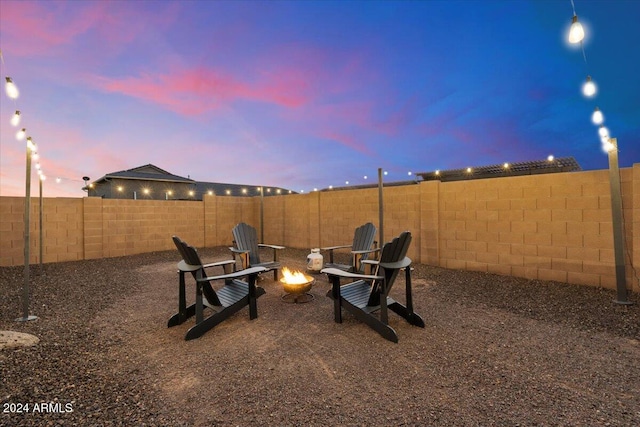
(310, 94)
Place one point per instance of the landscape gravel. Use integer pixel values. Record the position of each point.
(496, 351)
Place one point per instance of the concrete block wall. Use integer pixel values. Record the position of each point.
(548, 227)
(62, 235)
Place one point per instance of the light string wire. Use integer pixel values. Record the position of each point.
(624, 221)
(35, 148)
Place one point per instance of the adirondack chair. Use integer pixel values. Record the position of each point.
(227, 300)
(362, 247)
(247, 248)
(368, 294)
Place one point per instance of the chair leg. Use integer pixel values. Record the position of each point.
(337, 301)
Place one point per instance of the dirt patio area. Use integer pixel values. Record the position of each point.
(495, 351)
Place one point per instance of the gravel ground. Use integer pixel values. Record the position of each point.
(495, 351)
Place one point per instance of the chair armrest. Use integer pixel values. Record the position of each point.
(342, 273)
(406, 262)
(264, 245)
(219, 263)
(234, 275)
(238, 251)
(367, 251)
(330, 248)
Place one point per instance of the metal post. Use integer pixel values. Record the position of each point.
(41, 230)
(27, 242)
(616, 216)
(380, 208)
(261, 214)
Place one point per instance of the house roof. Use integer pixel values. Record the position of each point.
(553, 165)
(153, 173)
(147, 172)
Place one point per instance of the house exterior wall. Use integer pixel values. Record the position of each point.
(117, 188)
(547, 227)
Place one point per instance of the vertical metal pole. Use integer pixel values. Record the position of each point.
(41, 230)
(27, 241)
(380, 208)
(261, 214)
(616, 216)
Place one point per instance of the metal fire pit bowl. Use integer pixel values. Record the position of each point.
(298, 293)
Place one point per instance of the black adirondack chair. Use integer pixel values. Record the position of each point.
(363, 246)
(247, 248)
(227, 300)
(369, 294)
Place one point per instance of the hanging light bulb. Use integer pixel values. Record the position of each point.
(589, 88)
(550, 158)
(607, 145)
(35, 155)
(30, 145)
(15, 119)
(42, 177)
(58, 180)
(576, 32)
(597, 118)
(603, 132)
(11, 89)
(21, 134)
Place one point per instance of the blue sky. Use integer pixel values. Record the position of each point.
(306, 94)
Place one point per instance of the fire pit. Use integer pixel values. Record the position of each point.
(297, 286)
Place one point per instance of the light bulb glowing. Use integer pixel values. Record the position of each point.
(42, 177)
(597, 118)
(576, 32)
(469, 170)
(15, 119)
(506, 166)
(607, 144)
(30, 145)
(35, 155)
(21, 134)
(58, 180)
(550, 158)
(365, 177)
(603, 132)
(11, 89)
(589, 88)
(346, 182)
(437, 172)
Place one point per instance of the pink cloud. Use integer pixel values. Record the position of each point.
(199, 90)
(53, 25)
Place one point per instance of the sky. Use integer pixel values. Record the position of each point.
(311, 94)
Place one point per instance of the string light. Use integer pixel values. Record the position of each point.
(589, 87)
(21, 134)
(11, 89)
(597, 118)
(15, 119)
(603, 132)
(576, 32)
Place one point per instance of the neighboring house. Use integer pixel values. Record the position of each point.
(551, 165)
(153, 183)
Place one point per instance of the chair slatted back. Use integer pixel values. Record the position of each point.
(190, 256)
(364, 238)
(393, 251)
(246, 239)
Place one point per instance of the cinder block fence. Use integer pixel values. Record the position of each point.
(548, 227)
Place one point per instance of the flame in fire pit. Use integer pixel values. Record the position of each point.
(294, 277)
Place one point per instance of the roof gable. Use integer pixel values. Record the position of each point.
(147, 172)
